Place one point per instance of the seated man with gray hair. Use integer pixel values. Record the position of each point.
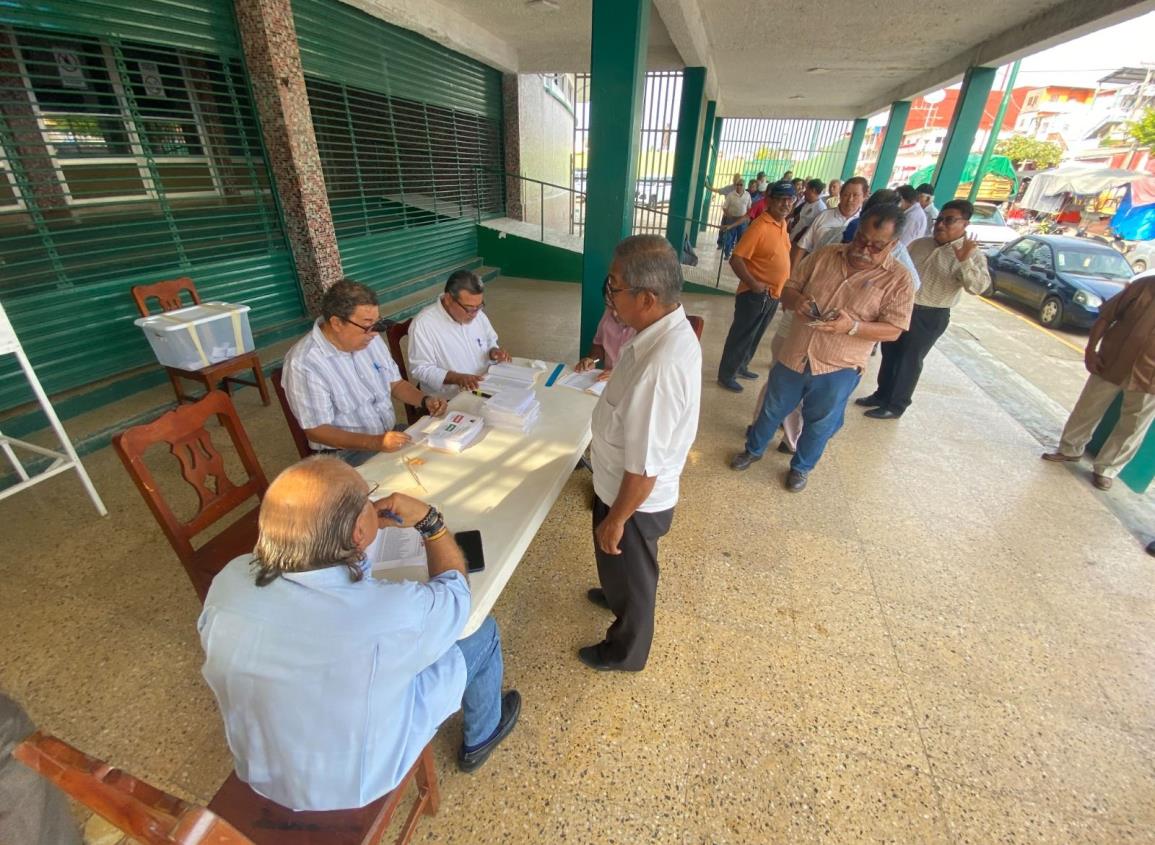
(452, 342)
(341, 381)
(330, 681)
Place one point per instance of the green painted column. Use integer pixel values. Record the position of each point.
(895, 126)
(686, 180)
(715, 142)
(972, 101)
(617, 77)
(857, 133)
(703, 167)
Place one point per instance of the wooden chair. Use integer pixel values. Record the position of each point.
(394, 334)
(697, 324)
(235, 816)
(168, 295)
(202, 466)
(299, 438)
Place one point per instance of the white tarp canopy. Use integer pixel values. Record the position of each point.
(1045, 193)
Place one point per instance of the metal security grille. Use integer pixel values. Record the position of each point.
(125, 161)
(811, 149)
(657, 143)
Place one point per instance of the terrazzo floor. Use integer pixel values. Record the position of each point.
(943, 639)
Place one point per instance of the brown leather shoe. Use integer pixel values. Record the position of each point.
(1102, 482)
(1059, 457)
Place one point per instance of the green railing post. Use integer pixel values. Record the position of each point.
(696, 225)
(686, 176)
(895, 126)
(617, 74)
(704, 212)
(993, 138)
(857, 133)
(960, 137)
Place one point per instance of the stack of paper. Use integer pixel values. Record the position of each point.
(512, 410)
(587, 382)
(455, 432)
(502, 377)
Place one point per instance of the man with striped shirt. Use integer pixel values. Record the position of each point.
(341, 380)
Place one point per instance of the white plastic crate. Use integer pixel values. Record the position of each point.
(194, 337)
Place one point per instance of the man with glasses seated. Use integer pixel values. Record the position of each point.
(341, 380)
(845, 298)
(452, 342)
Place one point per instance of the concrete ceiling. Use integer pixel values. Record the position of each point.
(774, 58)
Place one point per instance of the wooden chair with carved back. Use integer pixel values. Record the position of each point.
(168, 296)
(697, 324)
(394, 334)
(236, 815)
(298, 433)
(202, 466)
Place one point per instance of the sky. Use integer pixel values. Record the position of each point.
(1085, 60)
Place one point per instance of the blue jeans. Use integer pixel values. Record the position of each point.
(481, 704)
(823, 400)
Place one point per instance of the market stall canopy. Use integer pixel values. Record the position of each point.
(1135, 219)
(999, 182)
(1047, 188)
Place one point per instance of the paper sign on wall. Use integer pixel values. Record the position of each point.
(69, 67)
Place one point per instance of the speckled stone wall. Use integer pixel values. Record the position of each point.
(274, 62)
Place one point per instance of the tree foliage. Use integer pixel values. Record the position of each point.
(1018, 149)
(1143, 129)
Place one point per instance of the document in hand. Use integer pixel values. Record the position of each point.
(455, 433)
(587, 382)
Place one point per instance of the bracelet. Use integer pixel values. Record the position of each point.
(438, 535)
(430, 524)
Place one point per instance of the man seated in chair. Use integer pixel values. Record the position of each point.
(341, 380)
(452, 342)
(330, 681)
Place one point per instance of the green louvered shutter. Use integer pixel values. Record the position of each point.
(402, 126)
(129, 153)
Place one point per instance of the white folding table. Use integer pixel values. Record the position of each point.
(503, 485)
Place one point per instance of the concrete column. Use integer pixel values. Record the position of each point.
(691, 113)
(617, 76)
(269, 39)
(968, 114)
(703, 166)
(857, 133)
(511, 126)
(895, 126)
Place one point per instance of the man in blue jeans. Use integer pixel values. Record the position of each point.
(330, 681)
(846, 298)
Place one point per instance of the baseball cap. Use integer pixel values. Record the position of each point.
(782, 189)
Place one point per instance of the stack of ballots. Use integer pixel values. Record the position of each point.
(512, 410)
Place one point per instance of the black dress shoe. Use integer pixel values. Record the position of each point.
(1151, 548)
(744, 373)
(471, 761)
(743, 460)
(597, 596)
(785, 449)
(795, 481)
(591, 655)
(882, 414)
(870, 401)
(731, 385)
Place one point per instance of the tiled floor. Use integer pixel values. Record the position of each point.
(943, 639)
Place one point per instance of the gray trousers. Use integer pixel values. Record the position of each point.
(1124, 441)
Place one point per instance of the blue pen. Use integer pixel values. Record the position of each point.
(388, 514)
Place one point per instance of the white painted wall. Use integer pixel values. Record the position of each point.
(546, 129)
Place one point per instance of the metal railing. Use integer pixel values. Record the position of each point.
(568, 229)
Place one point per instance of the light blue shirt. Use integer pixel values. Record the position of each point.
(330, 688)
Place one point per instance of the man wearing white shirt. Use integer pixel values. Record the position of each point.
(341, 381)
(913, 216)
(643, 427)
(812, 206)
(926, 200)
(452, 342)
(850, 201)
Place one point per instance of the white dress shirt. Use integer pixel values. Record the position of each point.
(349, 390)
(329, 687)
(829, 219)
(807, 216)
(646, 419)
(913, 225)
(438, 344)
(931, 213)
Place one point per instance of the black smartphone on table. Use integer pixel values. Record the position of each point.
(470, 543)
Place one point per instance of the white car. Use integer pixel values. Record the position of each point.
(988, 225)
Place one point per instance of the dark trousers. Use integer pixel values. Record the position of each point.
(630, 582)
(902, 359)
(752, 313)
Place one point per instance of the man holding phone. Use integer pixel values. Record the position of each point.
(848, 297)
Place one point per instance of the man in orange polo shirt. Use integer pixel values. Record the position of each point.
(761, 261)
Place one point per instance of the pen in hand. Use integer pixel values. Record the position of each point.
(385, 513)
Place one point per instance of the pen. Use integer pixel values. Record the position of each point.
(482, 394)
(385, 513)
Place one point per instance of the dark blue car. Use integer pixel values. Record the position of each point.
(1065, 279)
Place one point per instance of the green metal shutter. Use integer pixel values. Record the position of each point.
(403, 127)
(149, 167)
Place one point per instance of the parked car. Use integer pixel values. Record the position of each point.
(1066, 279)
(988, 225)
(653, 191)
(1141, 254)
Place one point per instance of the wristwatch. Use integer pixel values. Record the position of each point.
(430, 524)
(853, 329)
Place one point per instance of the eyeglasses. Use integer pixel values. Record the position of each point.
(873, 247)
(609, 291)
(372, 490)
(948, 221)
(378, 326)
(468, 309)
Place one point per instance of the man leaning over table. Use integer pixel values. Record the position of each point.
(643, 426)
(452, 342)
(341, 381)
(330, 681)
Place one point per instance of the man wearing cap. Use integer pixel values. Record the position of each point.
(926, 200)
(811, 207)
(850, 201)
(761, 261)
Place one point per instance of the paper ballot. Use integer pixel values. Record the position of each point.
(586, 382)
(396, 548)
(455, 433)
